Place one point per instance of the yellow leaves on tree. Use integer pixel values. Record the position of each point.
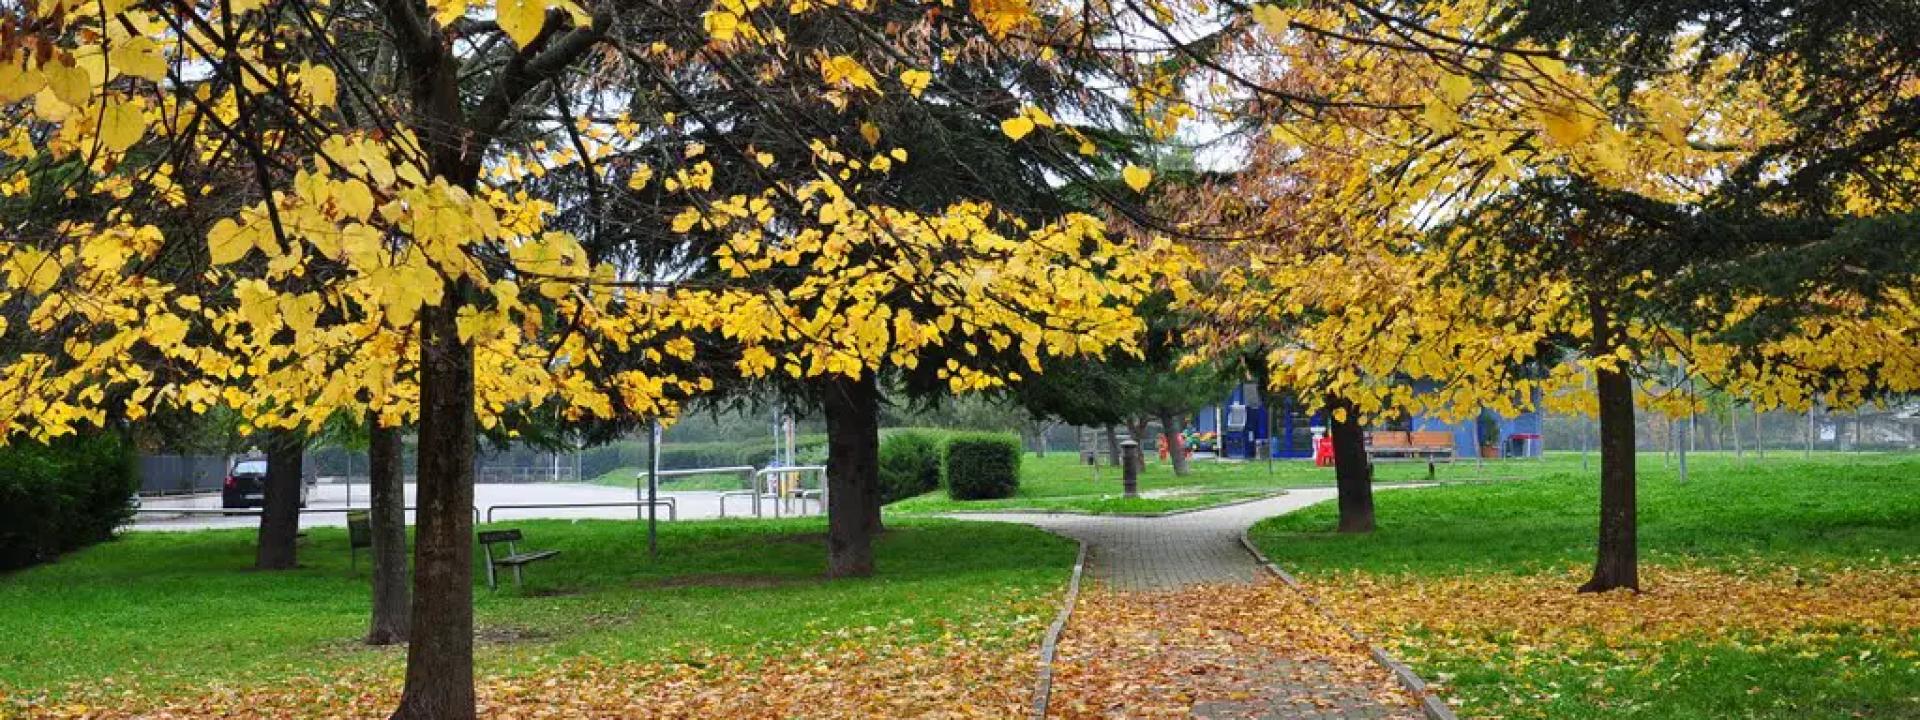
(845, 71)
(522, 19)
(1001, 17)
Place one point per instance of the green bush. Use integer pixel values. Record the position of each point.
(982, 466)
(62, 497)
(909, 464)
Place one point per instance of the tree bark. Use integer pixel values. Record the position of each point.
(1113, 446)
(280, 518)
(1176, 448)
(440, 655)
(1352, 469)
(1617, 565)
(852, 408)
(388, 519)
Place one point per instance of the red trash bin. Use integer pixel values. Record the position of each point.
(1323, 452)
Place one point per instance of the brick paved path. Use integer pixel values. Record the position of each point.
(1147, 560)
(1147, 553)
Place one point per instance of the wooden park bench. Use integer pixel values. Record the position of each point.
(513, 559)
(1429, 445)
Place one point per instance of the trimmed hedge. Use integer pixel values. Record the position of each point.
(909, 464)
(982, 466)
(62, 497)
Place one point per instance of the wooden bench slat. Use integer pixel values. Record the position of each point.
(489, 537)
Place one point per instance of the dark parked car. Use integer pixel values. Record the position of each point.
(246, 485)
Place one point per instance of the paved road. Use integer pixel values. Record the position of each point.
(691, 505)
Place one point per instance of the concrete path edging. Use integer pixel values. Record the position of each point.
(1430, 704)
(1049, 645)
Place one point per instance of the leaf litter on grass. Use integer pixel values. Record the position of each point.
(1216, 651)
(846, 674)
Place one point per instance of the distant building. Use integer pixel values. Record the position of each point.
(1249, 420)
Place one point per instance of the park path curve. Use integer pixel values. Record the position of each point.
(1168, 552)
(1148, 640)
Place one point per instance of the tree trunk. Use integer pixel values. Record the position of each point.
(388, 517)
(440, 655)
(1176, 448)
(852, 408)
(1352, 469)
(280, 519)
(1113, 446)
(1618, 563)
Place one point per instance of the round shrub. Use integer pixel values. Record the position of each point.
(909, 465)
(982, 466)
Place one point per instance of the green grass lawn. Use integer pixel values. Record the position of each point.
(1446, 560)
(1058, 482)
(167, 612)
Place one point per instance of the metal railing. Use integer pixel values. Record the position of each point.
(765, 485)
(673, 511)
(744, 471)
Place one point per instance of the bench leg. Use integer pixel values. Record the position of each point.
(516, 576)
(492, 584)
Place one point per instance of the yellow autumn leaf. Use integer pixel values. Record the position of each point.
(447, 11)
(1016, 127)
(1136, 177)
(320, 84)
(843, 69)
(227, 243)
(69, 83)
(1271, 19)
(32, 269)
(521, 19)
(1566, 126)
(721, 25)
(1455, 89)
(18, 82)
(121, 125)
(916, 81)
(139, 57)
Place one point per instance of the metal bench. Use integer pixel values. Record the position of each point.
(513, 559)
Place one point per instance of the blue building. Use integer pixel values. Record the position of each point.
(1247, 417)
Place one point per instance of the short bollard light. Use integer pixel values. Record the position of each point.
(1130, 467)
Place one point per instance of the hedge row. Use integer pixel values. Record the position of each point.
(982, 466)
(61, 497)
(909, 464)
